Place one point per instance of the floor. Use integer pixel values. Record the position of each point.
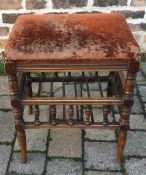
(74, 152)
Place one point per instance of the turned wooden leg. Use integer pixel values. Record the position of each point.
(125, 114)
(29, 92)
(106, 109)
(122, 135)
(15, 93)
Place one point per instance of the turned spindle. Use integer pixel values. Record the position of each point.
(37, 114)
(88, 112)
(53, 114)
(105, 115)
(70, 114)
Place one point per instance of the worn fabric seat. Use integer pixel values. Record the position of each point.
(80, 37)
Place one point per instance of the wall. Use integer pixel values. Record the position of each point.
(133, 10)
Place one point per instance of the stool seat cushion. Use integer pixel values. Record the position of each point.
(80, 37)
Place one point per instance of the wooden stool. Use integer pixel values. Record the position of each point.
(72, 43)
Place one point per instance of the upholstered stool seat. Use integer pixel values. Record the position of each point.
(61, 45)
(80, 37)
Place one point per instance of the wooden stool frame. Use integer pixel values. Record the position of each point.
(124, 97)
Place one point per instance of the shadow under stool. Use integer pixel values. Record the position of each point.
(51, 44)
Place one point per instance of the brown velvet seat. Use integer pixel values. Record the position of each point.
(80, 37)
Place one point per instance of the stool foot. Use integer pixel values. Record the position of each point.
(22, 144)
(121, 140)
